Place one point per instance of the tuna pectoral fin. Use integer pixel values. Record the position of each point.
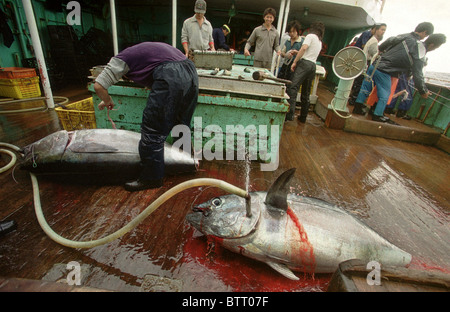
(283, 270)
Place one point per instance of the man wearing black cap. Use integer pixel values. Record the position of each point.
(196, 33)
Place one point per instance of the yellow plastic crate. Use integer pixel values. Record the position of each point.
(22, 88)
(78, 115)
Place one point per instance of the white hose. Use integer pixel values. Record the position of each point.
(11, 154)
(337, 113)
(133, 223)
(64, 101)
(11, 163)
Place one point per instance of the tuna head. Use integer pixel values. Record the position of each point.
(45, 152)
(224, 217)
(227, 217)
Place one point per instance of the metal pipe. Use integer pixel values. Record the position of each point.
(339, 102)
(280, 21)
(114, 26)
(383, 2)
(286, 16)
(281, 15)
(174, 23)
(32, 27)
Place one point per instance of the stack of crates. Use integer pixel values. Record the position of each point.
(19, 83)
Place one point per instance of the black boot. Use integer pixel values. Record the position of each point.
(401, 113)
(140, 185)
(7, 226)
(302, 118)
(304, 111)
(359, 109)
(289, 117)
(380, 118)
(389, 111)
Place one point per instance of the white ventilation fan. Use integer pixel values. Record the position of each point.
(348, 63)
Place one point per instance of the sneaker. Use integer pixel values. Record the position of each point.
(380, 118)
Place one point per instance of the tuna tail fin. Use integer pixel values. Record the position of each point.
(283, 270)
(277, 194)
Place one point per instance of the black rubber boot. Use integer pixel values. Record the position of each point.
(302, 118)
(359, 109)
(140, 185)
(380, 118)
(401, 113)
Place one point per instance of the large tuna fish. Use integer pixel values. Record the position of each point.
(292, 233)
(97, 151)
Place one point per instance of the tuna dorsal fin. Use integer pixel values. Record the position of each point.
(277, 194)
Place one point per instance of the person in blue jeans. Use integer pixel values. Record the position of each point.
(405, 90)
(402, 54)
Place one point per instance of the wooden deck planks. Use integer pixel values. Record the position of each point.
(340, 167)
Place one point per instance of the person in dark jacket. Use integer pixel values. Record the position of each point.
(405, 87)
(219, 36)
(173, 81)
(402, 54)
(365, 36)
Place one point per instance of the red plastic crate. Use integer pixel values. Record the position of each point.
(16, 72)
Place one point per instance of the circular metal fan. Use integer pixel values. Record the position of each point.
(349, 63)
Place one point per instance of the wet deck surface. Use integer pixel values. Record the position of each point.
(399, 189)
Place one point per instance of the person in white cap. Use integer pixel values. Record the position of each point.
(196, 33)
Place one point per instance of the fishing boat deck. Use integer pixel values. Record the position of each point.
(398, 188)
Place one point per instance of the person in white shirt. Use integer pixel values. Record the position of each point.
(304, 68)
(370, 50)
(371, 47)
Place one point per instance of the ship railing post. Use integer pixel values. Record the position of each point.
(39, 54)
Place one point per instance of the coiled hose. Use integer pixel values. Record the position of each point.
(13, 111)
(136, 221)
(11, 154)
(133, 223)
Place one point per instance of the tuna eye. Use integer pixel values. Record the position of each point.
(216, 202)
